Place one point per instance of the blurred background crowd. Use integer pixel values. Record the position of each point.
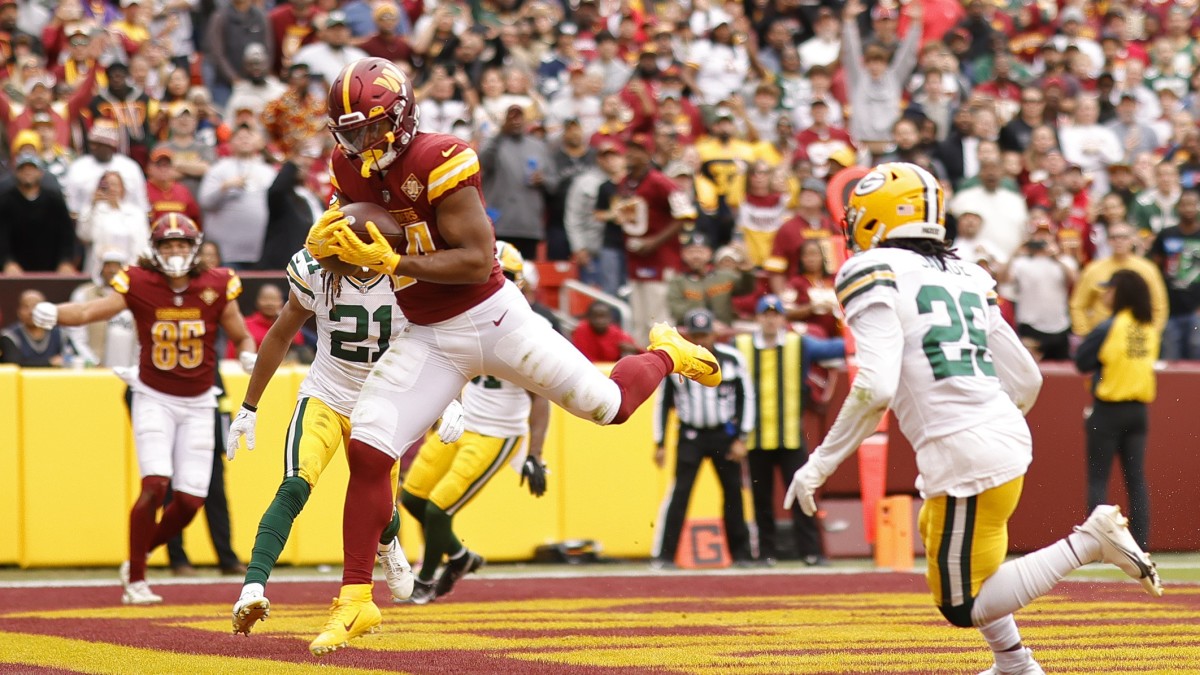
(673, 155)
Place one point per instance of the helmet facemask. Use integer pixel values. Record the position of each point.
(177, 265)
(374, 141)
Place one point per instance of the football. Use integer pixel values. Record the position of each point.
(359, 214)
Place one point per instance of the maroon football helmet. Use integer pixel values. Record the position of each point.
(373, 112)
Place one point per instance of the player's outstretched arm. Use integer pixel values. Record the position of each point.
(47, 315)
(275, 346)
(539, 423)
(1019, 374)
(464, 226)
(880, 341)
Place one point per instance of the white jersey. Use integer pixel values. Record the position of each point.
(354, 328)
(948, 381)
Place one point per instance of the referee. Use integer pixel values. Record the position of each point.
(713, 424)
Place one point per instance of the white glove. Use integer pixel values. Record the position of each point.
(128, 375)
(242, 425)
(247, 359)
(805, 483)
(453, 421)
(45, 315)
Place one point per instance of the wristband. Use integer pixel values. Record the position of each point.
(251, 408)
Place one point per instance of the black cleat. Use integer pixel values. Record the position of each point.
(455, 570)
(422, 593)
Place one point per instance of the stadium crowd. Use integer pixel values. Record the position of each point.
(678, 153)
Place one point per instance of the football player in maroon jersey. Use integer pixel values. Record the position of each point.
(466, 319)
(177, 304)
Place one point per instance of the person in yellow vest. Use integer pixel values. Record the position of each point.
(778, 359)
(1120, 353)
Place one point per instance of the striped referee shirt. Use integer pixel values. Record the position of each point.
(701, 407)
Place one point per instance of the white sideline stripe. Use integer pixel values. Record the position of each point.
(500, 576)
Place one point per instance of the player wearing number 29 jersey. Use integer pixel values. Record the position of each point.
(932, 345)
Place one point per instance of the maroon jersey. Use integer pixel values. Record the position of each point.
(645, 207)
(177, 330)
(433, 167)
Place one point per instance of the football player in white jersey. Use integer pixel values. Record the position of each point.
(356, 317)
(444, 477)
(960, 388)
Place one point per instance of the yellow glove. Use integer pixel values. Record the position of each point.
(376, 255)
(320, 242)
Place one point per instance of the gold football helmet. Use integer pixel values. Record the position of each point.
(512, 263)
(895, 201)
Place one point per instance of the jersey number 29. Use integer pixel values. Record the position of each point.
(973, 356)
(360, 353)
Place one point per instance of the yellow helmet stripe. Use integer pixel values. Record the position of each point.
(346, 92)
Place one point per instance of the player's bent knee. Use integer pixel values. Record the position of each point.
(154, 489)
(959, 615)
(293, 494)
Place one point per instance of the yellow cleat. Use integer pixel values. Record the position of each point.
(691, 361)
(352, 615)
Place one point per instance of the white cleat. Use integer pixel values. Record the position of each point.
(139, 593)
(1117, 546)
(396, 571)
(251, 608)
(1031, 667)
(123, 572)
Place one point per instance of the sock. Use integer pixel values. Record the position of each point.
(142, 524)
(415, 506)
(1019, 582)
(254, 589)
(175, 517)
(392, 529)
(439, 540)
(637, 377)
(1005, 640)
(274, 528)
(1085, 547)
(368, 508)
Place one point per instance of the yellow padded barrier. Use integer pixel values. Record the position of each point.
(10, 435)
(603, 484)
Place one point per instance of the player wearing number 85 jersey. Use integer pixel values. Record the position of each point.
(177, 305)
(356, 318)
(932, 345)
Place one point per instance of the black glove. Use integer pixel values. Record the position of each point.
(535, 471)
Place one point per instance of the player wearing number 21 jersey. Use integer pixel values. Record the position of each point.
(933, 346)
(356, 318)
(177, 306)
(466, 319)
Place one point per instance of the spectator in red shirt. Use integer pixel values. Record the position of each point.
(267, 304)
(598, 339)
(163, 189)
(810, 222)
(292, 26)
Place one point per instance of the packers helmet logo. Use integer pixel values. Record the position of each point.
(870, 183)
(391, 79)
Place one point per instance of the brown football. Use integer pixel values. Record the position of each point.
(359, 213)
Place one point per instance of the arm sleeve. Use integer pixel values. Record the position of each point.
(1159, 303)
(1087, 357)
(662, 410)
(906, 55)
(577, 213)
(1018, 372)
(210, 195)
(880, 338)
(216, 47)
(852, 52)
